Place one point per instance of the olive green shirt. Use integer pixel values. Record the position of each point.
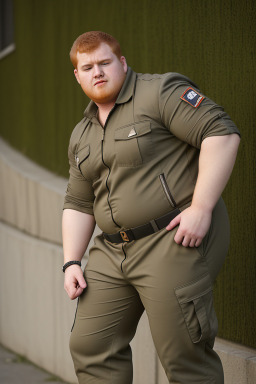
(144, 161)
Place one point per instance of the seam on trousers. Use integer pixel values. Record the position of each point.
(123, 259)
(111, 348)
(202, 247)
(75, 315)
(205, 240)
(210, 379)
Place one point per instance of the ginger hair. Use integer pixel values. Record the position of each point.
(89, 41)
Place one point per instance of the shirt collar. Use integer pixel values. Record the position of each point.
(125, 94)
(128, 87)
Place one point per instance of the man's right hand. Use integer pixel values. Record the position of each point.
(77, 230)
(74, 283)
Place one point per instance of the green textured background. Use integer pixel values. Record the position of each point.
(212, 42)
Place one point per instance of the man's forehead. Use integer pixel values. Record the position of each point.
(103, 52)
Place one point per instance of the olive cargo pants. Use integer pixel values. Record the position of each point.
(173, 284)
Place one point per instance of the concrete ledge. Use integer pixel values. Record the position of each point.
(36, 315)
(239, 362)
(31, 197)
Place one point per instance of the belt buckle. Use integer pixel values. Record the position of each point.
(124, 236)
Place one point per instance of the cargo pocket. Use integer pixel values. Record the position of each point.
(133, 144)
(196, 302)
(82, 159)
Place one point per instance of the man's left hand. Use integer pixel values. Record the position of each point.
(193, 223)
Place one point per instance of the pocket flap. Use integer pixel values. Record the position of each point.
(84, 150)
(196, 302)
(82, 154)
(194, 290)
(132, 131)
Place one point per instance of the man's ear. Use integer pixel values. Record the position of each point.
(77, 76)
(124, 63)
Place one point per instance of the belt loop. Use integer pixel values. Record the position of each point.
(154, 225)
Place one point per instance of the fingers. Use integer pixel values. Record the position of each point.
(179, 238)
(78, 292)
(173, 223)
(192, 243)
(81, 285)
(187, 241)
(74, 282)
(81, 282)
(74, 291)
(193, 224)
(198, 242)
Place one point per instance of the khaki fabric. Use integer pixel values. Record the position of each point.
(173, 284)
(115, 171)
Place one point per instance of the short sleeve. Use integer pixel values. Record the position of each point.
(79, 195)
(190, 115)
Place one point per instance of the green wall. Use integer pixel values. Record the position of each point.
(212, 42)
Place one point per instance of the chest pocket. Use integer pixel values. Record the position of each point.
(133, 144)
(82, 160)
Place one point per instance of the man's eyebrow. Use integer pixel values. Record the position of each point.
(96, 62)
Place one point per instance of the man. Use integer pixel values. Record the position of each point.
(148, 164)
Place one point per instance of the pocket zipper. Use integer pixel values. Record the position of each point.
(167, 190)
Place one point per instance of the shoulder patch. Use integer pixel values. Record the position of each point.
(192, 97)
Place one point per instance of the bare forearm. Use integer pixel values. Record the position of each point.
(77, 230)
(216, 161)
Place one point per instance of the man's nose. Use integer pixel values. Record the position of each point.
(97, 70)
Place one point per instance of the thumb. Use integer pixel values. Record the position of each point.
(81, 281)
(174, 223)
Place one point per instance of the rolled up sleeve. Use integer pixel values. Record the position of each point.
(79, 194)
(187, 122)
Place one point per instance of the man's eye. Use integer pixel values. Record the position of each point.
(105, 63)
(87, 69)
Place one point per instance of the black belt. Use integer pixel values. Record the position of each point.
(143, 230)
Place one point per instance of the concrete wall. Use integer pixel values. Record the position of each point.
(35, 312)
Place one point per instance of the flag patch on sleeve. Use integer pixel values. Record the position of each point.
(192, 97)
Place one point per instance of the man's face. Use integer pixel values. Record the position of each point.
(101, 74)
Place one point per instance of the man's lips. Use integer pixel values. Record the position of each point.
(100, 82)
